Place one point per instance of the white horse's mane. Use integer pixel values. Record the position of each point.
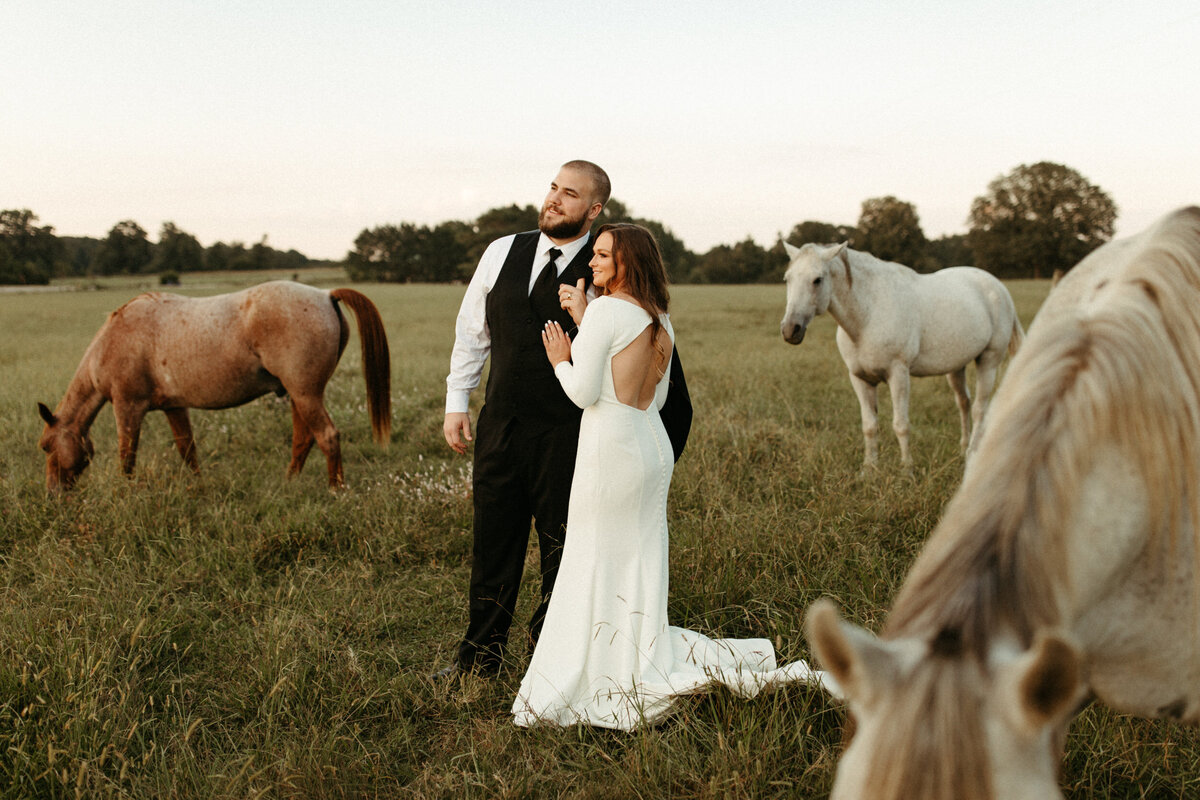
(1121, 368)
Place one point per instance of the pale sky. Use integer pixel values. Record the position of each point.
(310, 121)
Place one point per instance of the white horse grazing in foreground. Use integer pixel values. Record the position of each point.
(1066, 565)
(894, 323)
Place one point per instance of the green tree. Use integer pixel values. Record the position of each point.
(126, 250)
(79, 254)
(239, 257)
(946, 251)
(679, 261)
(406, 253)
(292, 259)
(20, 272)
(261, 255)
(464, 233)
(1037, 219)
(177, 251)
(28, 253)
(813, 232)
(217, 256)
(744, 262)
(491, 225)
(890, 229)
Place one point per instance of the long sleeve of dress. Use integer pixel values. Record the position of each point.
(583, 376)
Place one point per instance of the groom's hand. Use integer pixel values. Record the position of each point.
(573, 299)
(457, 426)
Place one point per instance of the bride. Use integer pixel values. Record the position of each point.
(607, 656)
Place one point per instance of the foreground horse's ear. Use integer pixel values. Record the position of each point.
(1048, 683)
(792, 251)
(833, 251)
(855, 658)
(47, 414)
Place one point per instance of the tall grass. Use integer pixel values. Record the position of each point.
(240, 635)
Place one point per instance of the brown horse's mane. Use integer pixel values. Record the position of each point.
(1123, 370)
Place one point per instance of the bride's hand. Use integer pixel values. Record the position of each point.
(557, 343)
(573, 299)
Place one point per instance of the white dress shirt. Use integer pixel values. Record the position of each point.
(472, 339)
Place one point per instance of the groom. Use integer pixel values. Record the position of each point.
(528, 430)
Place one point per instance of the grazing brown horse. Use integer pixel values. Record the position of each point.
(171, 353)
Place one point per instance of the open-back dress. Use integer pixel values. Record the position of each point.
(606, 655)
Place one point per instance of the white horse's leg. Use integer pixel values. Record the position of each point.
(958, 382)
(868, 405)
(985, 381)
(898, 383)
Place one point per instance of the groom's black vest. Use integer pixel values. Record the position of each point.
(521, 382)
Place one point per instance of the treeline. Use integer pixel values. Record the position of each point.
(450, 251)
(32, 254)
(1037, 219)
(1031, 222)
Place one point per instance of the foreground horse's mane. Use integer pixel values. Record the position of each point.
(1124, 372)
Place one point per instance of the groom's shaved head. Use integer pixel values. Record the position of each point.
(601, 186)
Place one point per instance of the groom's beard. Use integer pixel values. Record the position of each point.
(565, 228)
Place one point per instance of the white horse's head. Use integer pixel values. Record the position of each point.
(809, 287)
(934, 721)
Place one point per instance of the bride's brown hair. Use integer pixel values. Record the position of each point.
(640, 272)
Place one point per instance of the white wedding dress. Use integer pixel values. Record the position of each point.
(606, 655)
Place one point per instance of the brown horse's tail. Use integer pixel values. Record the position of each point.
(376, 358)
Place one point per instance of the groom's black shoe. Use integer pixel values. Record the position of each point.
(451, 671)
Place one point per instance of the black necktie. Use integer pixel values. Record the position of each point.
(549, 274)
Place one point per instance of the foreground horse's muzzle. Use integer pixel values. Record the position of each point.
(793, 332)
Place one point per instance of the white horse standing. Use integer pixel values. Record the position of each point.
(1068, 562)
(894, 323)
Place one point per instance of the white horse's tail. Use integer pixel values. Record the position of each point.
(1018, 336)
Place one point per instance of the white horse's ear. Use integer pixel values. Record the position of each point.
(856, 659)
(1045, 684)
(833, 251)
(792, 251)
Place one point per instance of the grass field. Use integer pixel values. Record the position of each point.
(238, 635)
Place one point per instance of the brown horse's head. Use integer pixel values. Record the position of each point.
(68, 451)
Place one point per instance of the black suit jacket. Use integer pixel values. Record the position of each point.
(676, 412)
(523, 392)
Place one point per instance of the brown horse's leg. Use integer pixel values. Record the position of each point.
(129, 427)
(320, 426)
(181, 429)
(302, 442)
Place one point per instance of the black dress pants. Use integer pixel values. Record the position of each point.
(522, 471)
